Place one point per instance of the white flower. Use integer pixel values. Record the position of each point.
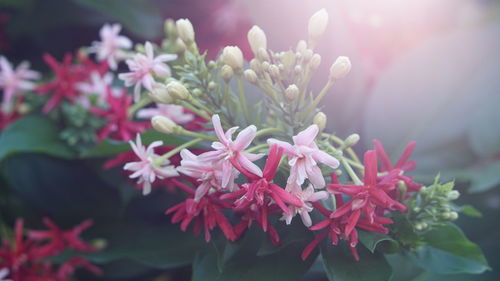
(146, 170)
(172, 111)
(142, 68)
(306, 196)
(12, 81)
(257, 39)
(112, 45)
(3, 274)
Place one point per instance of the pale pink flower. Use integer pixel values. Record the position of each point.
(172, 111)
(142, 67)
(208, 173)
(303, 157)
(97, 86)
(13, 81)
(307, 196)
(227, 150)
(147, 170)
(3, 274)
(112, 46)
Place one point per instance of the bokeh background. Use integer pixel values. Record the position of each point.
(424, 70)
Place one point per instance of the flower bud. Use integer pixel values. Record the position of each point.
(317, 25)
(315, 61)
(297, 69)
(320, 120)
(257, 39)
(160, 94)
(212, 85)
(307, 54)
(262, 55)
(232, 56)
(292, 92)
(185, 30)
(250, 75)
(351, 140)
(169, 27)
(453, 216)
(255, 65)
(181, 46)
(265, 66)
(453, 195)
(226, 73)
(163, 124)
(274, 71)
(177, 91)
(301, 46)
(340, 68)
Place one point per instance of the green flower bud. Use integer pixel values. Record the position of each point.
(163, 124)
(226, 73)
(185, 30)
(320, 120)
(177, 91)
(251, 76)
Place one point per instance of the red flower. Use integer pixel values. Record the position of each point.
(403, 164)
(57, 240)
(206, 213)
(6, 119)
(367, 198)
(66, 76)
(68, 268)
(119, 125)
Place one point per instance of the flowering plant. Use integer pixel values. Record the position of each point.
(359, 216)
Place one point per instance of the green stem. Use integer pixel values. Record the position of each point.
(196, 135)
(200, 105)
(243, 100)
(189, 106)
(267, 131)
(340, 142)
(350, 171)
(318, 98)
(257, 148)
(176, 150)
(138, 105)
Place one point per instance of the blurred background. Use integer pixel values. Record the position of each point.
(424, 70)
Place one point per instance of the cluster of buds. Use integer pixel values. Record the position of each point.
(431, 205)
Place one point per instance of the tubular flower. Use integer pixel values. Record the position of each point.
(206, 213)
(227, 150)
(260, 190)
(303, 158)
(142, 67)
(209, 174)
(119, 125)
(367, 198)
(307, 196)
(403, 164)
(147, 170)
(172, 111)
(57, 240)
(13, 81)
(112, 46)
(97, 85)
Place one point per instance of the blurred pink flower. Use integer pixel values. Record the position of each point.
(97, 85)
(307, 196)
(12, 81)
(172, 111)
(112, 45)
(146, 170)
(303, 157)
(142, 68)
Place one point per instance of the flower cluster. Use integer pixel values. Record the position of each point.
(27, 257)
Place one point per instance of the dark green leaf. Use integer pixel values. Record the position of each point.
(449, 251)
(470, 211)
(372, 240)
(341, 266)
(35, 134)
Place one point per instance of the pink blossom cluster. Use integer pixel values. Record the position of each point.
(27, 257)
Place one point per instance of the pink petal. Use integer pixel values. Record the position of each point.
(316, 177)
(307, 136)
(244, 138)
(218, 130)
(248, 165)
(326, 159)
(288, 149)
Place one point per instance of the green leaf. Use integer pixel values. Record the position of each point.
(470, 211)
(449, 251)
(35, 134)
(372, 240)
(243, 264)
(341, 266)
(111, 148)
(140, 17)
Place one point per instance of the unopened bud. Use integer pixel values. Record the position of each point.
(226, 73)
(197, 92)
(307, 54)
(340, 68)
(212, 85)
(211, 64)
(232, 56)
(263, 55)
(181, 46)
(163, 124)
(351, 140)
(301, 46)
(255, 65)
(257, 39)
(320, 120)
(292, 92)
(274, 71)
(170, 28)
(315, 61)
(298, 69)
(160, 94)
(185, 30)
(317, 25)
(265, 66)
(453, 216)
(177, 91)
(250, 75)
(453, 195)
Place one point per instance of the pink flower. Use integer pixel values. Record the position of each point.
(112, 45)
(97, 85)
(303, 157)
(142, 68)
(227, 150)
(172, 111)
(307, 196)
(208, 173)
(147, 170)
(4, 272)
(13, 81)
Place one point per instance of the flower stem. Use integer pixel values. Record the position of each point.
(176, 150)
(257, 147)
(267, 131)
(189, 106)
(138, 105)
(184, 132)
(243, 100)
(318, 98)
(350, 171)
